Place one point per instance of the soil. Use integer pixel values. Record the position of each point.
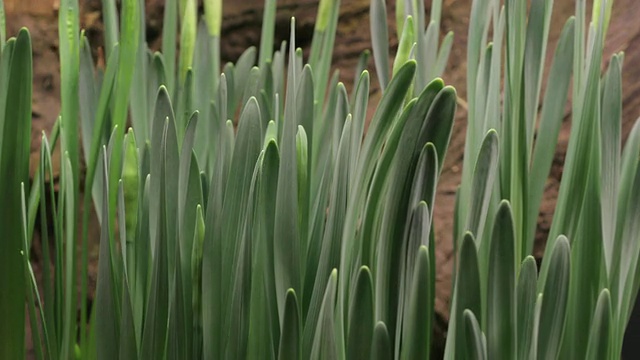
(241, 28)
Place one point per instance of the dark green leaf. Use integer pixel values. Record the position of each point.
(526, 297)
(290, 339)
(554, 303)
(361, 322)
(475, 346)
(324, 341)
(15, 138)
(417, 332)
(501, 293)
(381, 344)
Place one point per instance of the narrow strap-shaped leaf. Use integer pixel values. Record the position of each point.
(31, 292)
(417, 334)
(533, 353)
(324, 342)
(139, 97)
(260, 343)
(526, 303)
(252, 85)
(475, 346)
(236, 198)
(163, 110)
(88, 93)
(600, 333)
(381, 344)
(171, 160)
(189, 194)
(287, 259)
(36, 193)
(154, 334)
(501, 292)
(535, 49)
(130, 187)
(139, 288)
(213, 244)
(359, 110)
(443, 55)
(304, 111)
(478, 27)
(376, 196)
(484, 174)
(93, 177)
(380, 40)
(46, 192)
(269, 184)
(360, 68)
(610, 127)
(466, 297)
(128, 343)
(196, 281)
(417, 234)
(361, 324)
(331, 247)
(205, 84)
(169, 40)
(69, 45)
(438, 125)
(267, 33)
(493, 109)
(213, 16)
(189, 23)
(553, 107)
(177, 337)
(322, 46)
(290, 339)
(404, 46)
(130, 27)
(302, 158)
(554, 303)
(242, 73)
(238, 315)
(629, 268)
(3, 30)
(110, 19)
(108, 323)
(583, 139)
(15, 138)
(185, 103)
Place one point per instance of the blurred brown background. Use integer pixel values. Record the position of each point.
(241, 28)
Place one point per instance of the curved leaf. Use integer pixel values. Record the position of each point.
(526, 303)
(15, 139)
(600, 333)
(501, 293)
(380, 40)
(417, 332)
(361, 322)
(324, 342)
(554, 303)
(474, 338)
(290, 339)
(381, 344)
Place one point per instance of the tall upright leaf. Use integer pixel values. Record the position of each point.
(15, 138)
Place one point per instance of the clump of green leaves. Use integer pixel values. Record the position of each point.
(245, 214)
(587, 284)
